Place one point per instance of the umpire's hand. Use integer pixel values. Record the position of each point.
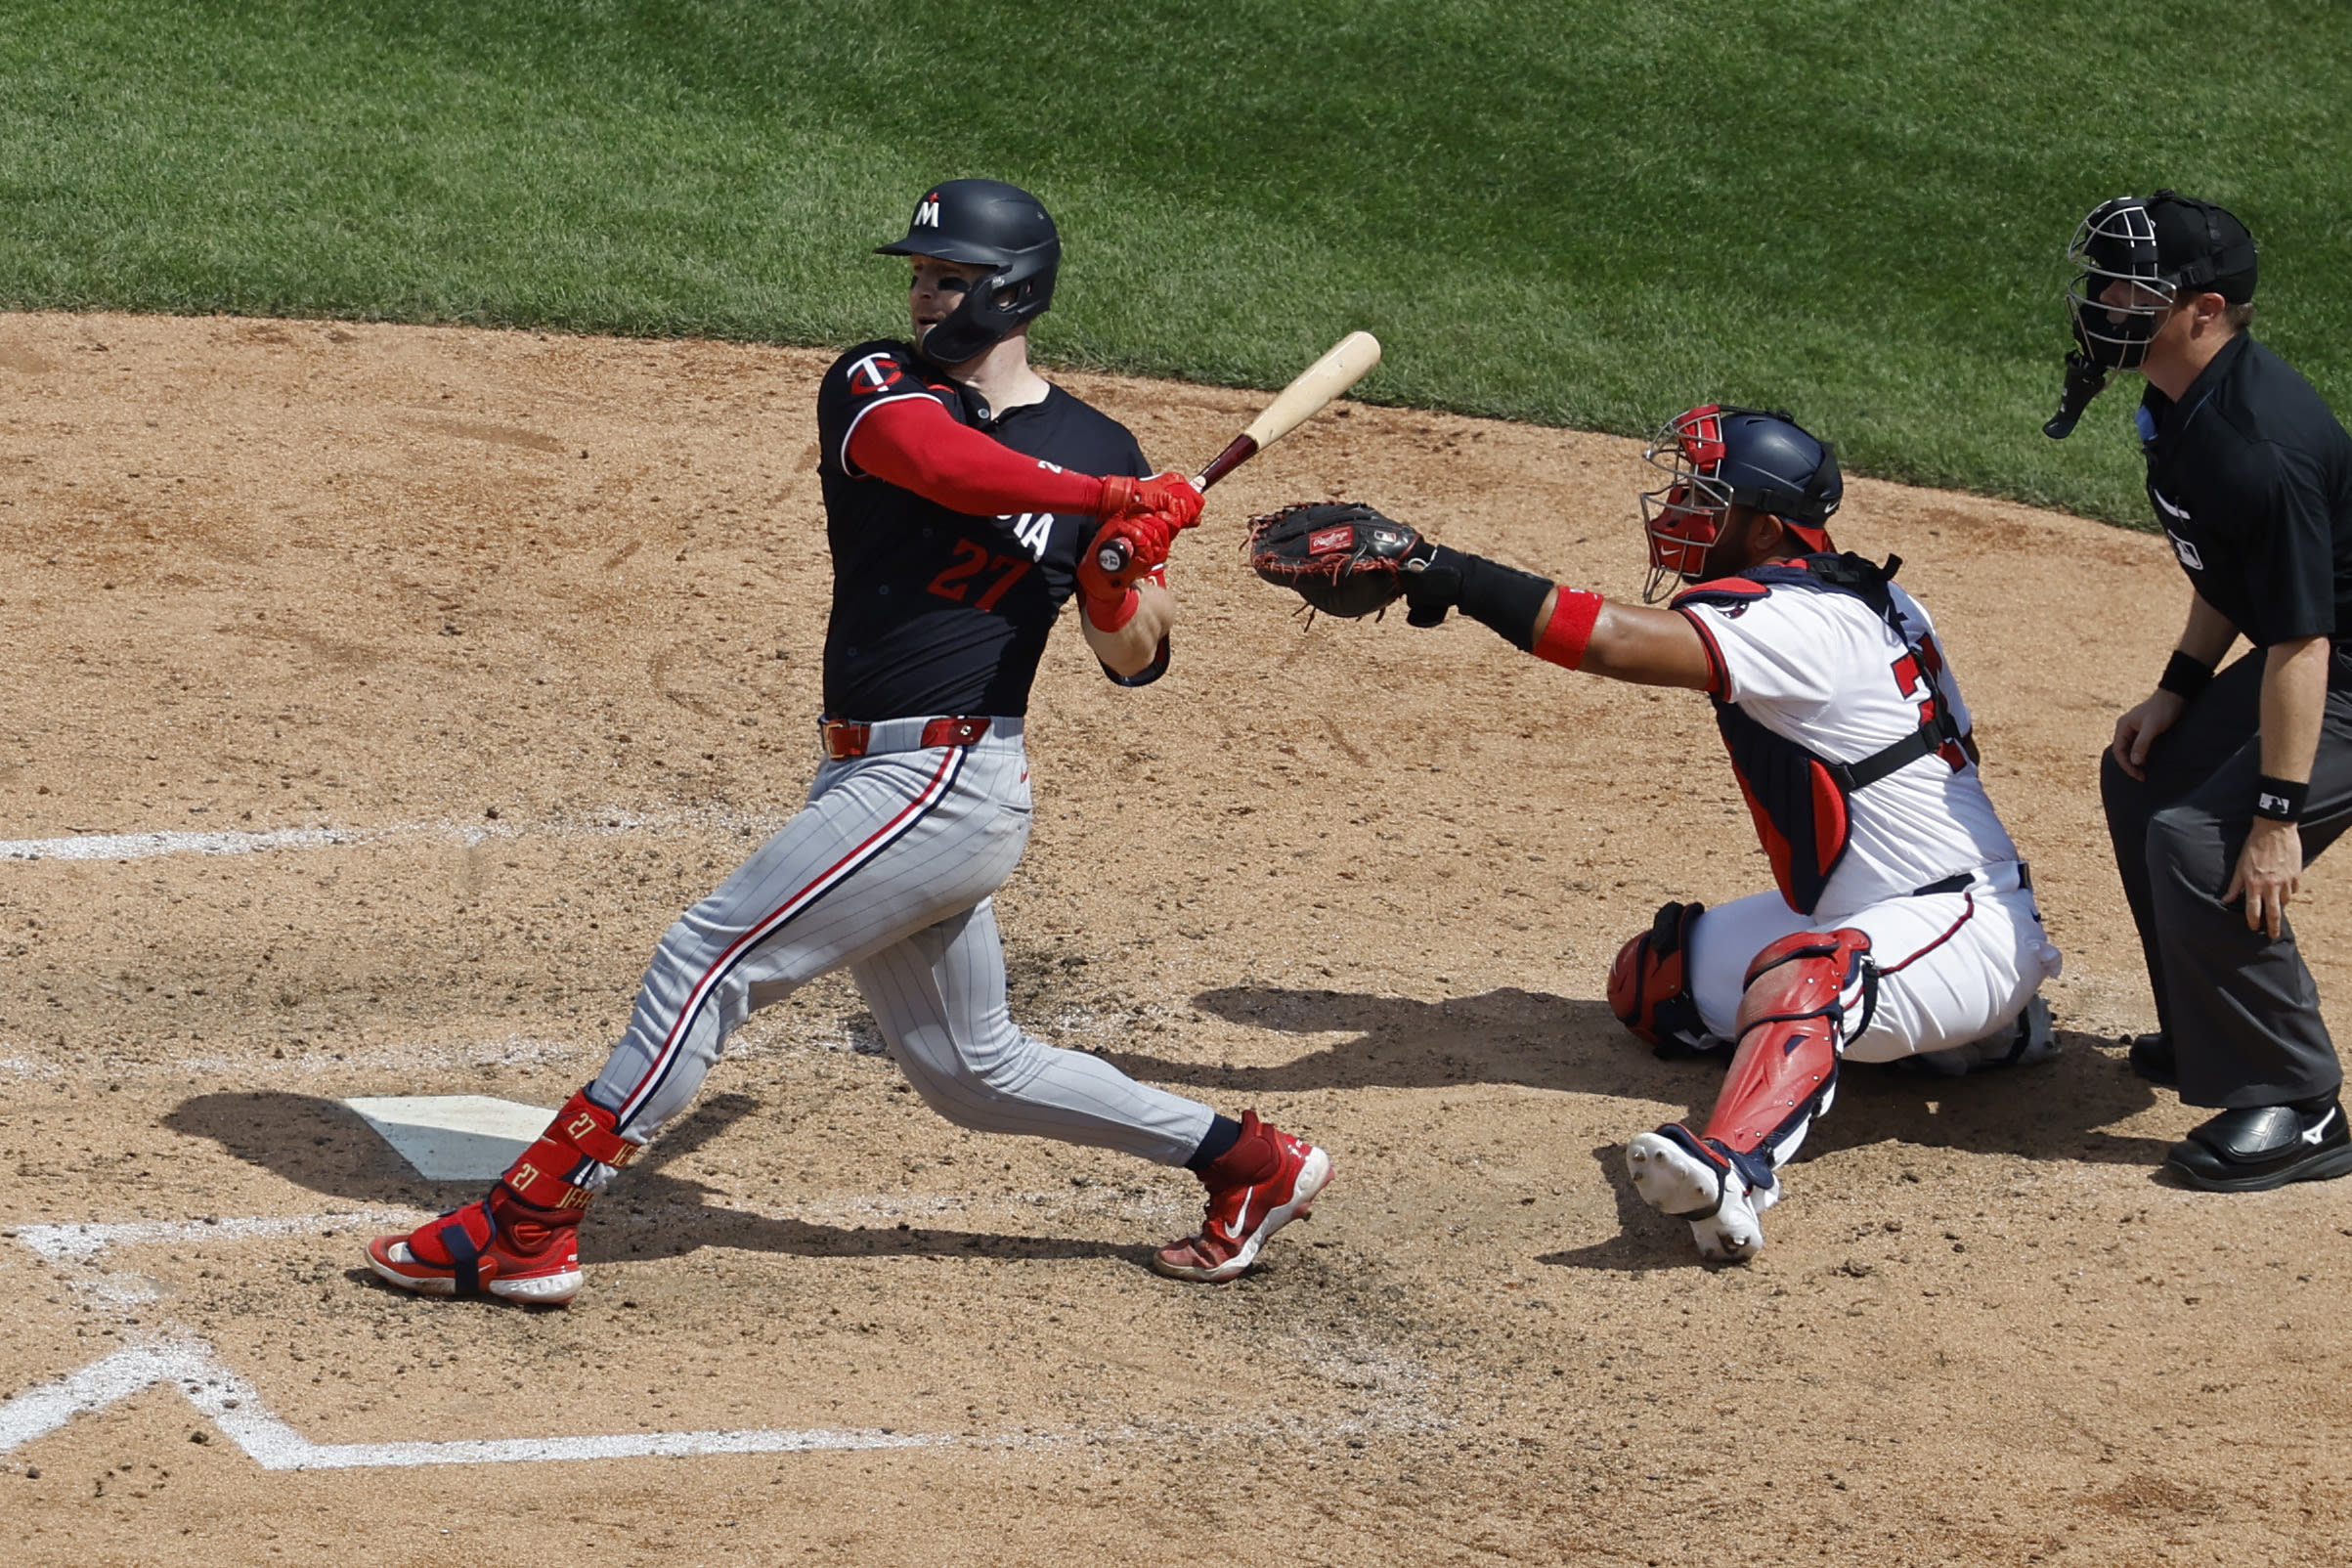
(2269, 870)
(2138, 729)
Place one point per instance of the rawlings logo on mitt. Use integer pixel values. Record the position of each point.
(1340, 556)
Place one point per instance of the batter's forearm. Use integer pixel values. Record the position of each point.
(2294, 696)
(1134, 646)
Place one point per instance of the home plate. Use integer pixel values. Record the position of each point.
(454, 1137)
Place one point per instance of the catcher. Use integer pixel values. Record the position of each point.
(1903, 924)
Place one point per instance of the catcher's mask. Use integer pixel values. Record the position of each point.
(2166, 247)
(983, 223)
(1716, 456)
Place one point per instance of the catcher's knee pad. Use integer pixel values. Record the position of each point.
(1649, 983)
(1808, 995)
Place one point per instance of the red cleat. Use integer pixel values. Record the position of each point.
(498, 1246)
(1264, 1182)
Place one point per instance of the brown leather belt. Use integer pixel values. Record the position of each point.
(844, 740)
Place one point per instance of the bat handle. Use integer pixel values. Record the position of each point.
(1236, 453)
(1113, 555)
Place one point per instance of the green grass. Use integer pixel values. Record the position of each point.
(1587, 214)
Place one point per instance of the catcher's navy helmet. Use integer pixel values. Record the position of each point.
(983, 223)
(2167, 246)
(1716, 456)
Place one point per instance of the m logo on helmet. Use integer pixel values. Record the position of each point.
(926, 212)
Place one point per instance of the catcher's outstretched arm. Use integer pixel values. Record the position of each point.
(1569, 626)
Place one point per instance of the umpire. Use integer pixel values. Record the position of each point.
(2219, 788)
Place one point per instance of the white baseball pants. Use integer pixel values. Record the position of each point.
(1952, 967)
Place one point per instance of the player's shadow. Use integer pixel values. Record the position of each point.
(322, 1144)
(2053, 1111)
(1530, 1038)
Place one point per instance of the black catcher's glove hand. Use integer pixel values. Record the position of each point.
(1433, 584)
(1340, 556)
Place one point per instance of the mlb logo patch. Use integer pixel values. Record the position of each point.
(1331, 540)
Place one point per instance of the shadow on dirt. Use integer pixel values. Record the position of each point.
(1540, 1041)
(322, 1144)
(2048, 1112)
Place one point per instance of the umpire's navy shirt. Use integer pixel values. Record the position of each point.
(2251, 479)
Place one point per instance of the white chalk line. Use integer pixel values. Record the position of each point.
(234, 1405)
(147, 846)
(57, 1243)
(143, 845)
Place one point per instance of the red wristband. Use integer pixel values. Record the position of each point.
(1115, 616)
(1564, 636)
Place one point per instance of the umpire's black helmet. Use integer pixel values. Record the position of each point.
(983, 223)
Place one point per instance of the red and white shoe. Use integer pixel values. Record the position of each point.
(1686, 1177)
(498, 1246)
(1266, 1180)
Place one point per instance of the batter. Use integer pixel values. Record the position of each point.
(966, 500)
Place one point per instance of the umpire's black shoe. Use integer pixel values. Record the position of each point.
(2151, 1059)
(2263, 1147)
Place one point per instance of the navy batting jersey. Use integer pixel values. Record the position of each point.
(935, 611)
(2251, 478)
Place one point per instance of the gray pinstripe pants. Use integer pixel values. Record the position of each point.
(889, 870)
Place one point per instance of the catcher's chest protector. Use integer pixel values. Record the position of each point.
(1798, 797)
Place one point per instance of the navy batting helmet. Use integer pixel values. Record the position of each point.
(2167, 246)
(983, 223)
(1716, 456)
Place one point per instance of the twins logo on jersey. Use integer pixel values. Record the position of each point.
(876, 372)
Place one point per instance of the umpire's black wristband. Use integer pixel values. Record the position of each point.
(2185, 676)
(2281, 799)
(1503, 597)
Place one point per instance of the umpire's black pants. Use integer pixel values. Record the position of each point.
(2241, 1009)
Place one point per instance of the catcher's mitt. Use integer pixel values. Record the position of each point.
(1340, 556)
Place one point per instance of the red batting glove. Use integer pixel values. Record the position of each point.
(1169, 495)
(1123, 553)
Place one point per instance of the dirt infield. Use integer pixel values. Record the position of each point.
(376, 697)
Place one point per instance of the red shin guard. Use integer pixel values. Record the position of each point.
(1808, 995)
(555, 1171)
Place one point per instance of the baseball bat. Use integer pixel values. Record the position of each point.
(1342, 366)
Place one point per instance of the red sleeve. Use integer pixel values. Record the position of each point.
(916, 445)
(1721, 684)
